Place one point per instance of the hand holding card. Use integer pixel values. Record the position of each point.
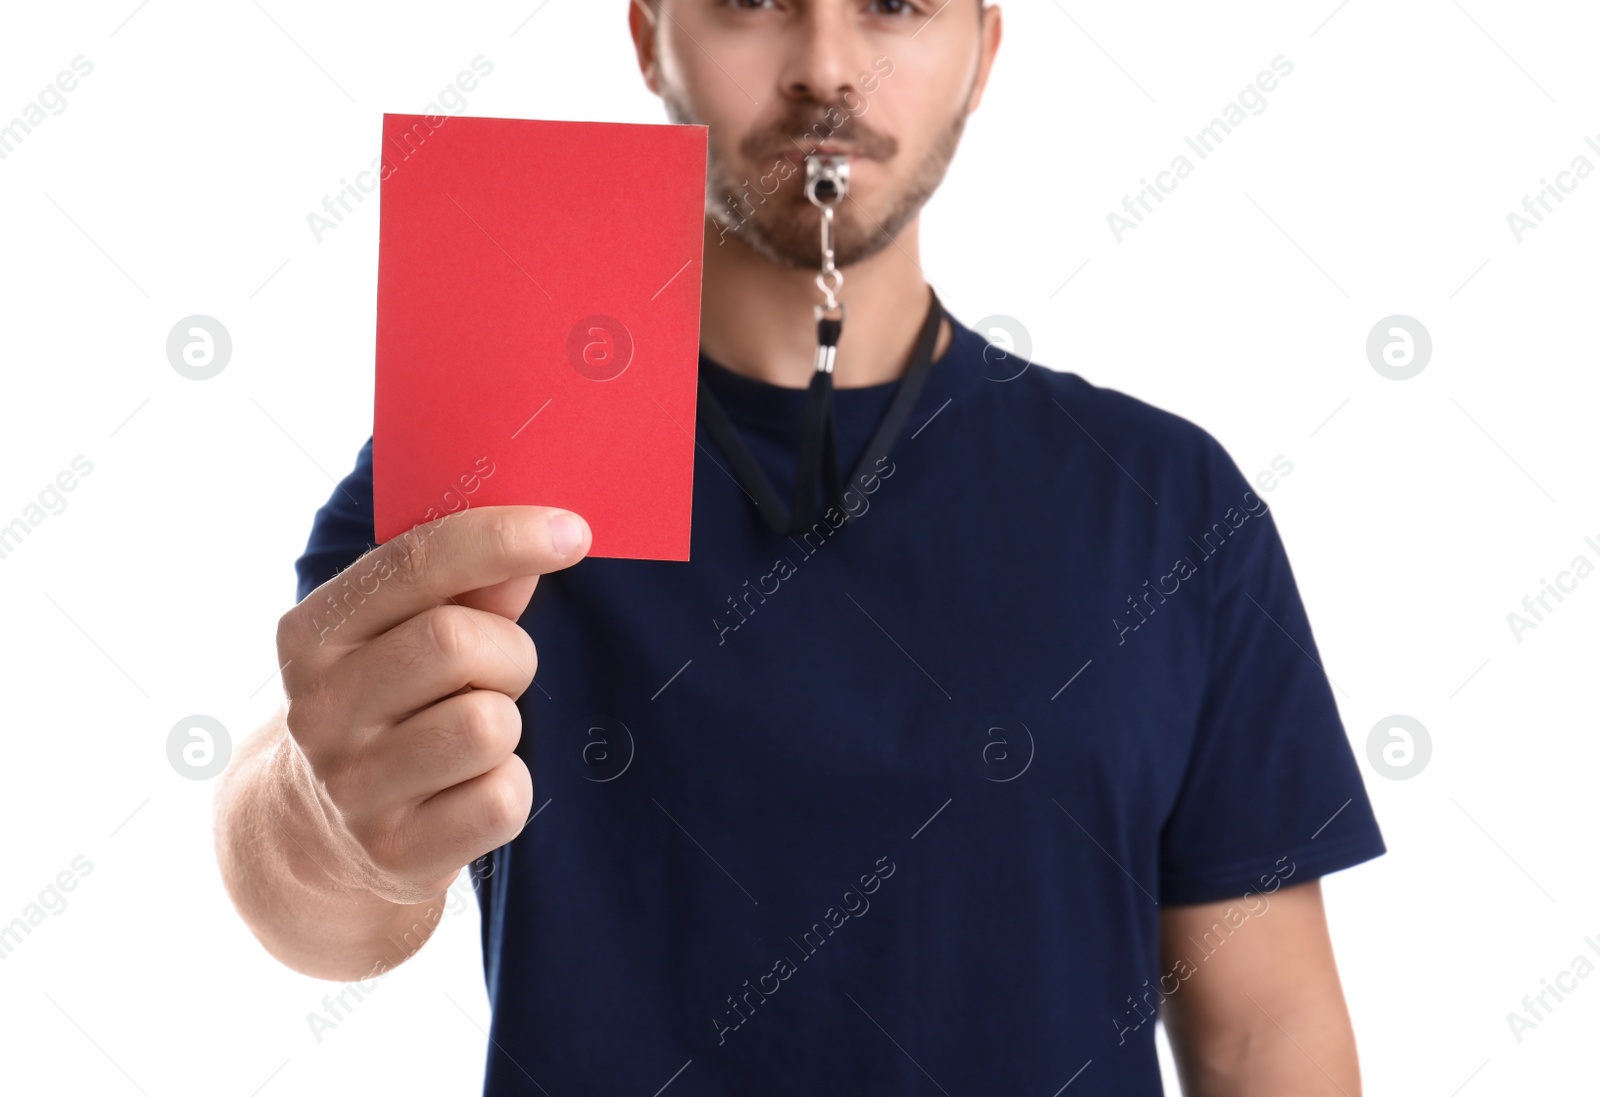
(539, 324)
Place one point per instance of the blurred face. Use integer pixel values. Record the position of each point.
(888, 82)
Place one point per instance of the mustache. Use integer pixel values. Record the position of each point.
(805, 130)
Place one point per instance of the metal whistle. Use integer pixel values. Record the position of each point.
(827, 185)
(827, 178)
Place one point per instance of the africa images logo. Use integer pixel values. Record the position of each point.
(1184, 568)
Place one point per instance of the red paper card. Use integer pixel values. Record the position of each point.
(539, 324)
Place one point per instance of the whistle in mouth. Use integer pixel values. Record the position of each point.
(827, 178)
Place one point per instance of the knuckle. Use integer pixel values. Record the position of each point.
(504, 722)
(291, 632)
(306, 712)
(505, 534)
(493, 724)
(411, 558)
(505, 800)
(309, 625)
(451, 632)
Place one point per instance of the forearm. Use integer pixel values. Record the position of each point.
(291, 882)
(1307, 1048)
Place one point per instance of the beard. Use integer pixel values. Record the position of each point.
(784, 227)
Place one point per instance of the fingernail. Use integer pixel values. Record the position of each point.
(566, 533)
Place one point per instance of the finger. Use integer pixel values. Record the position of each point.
(463, 552)
(434, 654)
(508, 599)
(445, 744)
(465, 821)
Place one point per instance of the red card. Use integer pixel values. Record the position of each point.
(539, 324)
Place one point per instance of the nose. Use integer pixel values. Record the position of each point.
(825, 55)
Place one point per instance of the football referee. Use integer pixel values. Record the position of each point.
(948, 770)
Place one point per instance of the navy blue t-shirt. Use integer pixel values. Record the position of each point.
(891, 807)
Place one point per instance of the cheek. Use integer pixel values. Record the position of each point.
(918, 126)
(923, 94)
(727, 91)
(731, 118)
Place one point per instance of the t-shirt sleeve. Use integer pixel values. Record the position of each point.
(1272, 793)
(342, 530)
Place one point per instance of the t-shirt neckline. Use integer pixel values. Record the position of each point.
(760, 403)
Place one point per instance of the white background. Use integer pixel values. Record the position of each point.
(1418, 515)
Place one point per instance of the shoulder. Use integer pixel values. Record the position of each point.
(1063, 413)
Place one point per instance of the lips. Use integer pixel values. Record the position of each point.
(798, 156)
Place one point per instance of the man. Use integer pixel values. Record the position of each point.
(1023, 738)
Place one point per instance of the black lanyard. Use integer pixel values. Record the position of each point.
(818, 449)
